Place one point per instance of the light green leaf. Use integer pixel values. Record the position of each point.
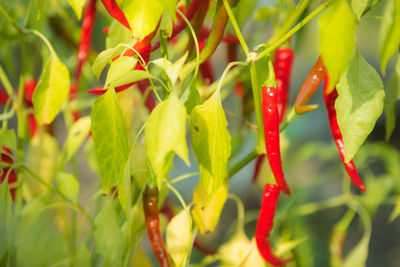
(243, 10)
(392, 95)
(234, 251)
(107, 234)
(395, 213)
(359, 103)
(42, 159)
(172, 70)
(5, 218)
(76, 135)
(166, 24)
(124, 187)
(390, 32)
(109, 136)
(117, 34)
(119, 68)
(169, 5)
(253, 258)
(51, 91)
(205, 217)
(103, 59)
(143, 16)
(68, 185)
(8, 139)
(358, 7)
(165, 135)
(179, 237)
(77, 6)
(81, 257)
(211, 142)
(265, 13)
(336, 39)
(132, 76)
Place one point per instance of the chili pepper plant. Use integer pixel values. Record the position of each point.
(162, 132)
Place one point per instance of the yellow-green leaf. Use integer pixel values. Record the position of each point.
(211, 142)
(51, 91)
(76, 135)
(103, 59)
(234, 251)
(336, 39)
(165, 135)
(119, 68)
(358, 7)
(172, 70)
(253, 258)
(109, 136)
(68, 185)
(390, 32)
(143, 16)
(179, 237)
(206, 218)
(117, 34)
(77, 6)
(359, 103)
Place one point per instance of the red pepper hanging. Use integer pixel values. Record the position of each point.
(283, 66)
(270, 116)
(29, 88)
(12, 177)
(116, 12)
(150, 207)
(265, 224)
(3, 97)
(329, 99)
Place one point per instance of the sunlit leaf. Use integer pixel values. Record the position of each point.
(172, 70)
(8, 139)
(265, 13)
(118, 69)
(234, 251)
(132, 76)
(77, 6)
(140, 259)
(68, 185)
(179, 237)
(143, 16)
(109, 136)
(206, 218)
(253, 257)
(107, 234)
(165, 135)
(51, 91)
(117, 34)
(5, 218)
(103, 59)
(358, 7)
(392, 95)
(125, 100)
(211, 142)
(359, 103)
(169, 5)
(336, 39)
(81, 257)
(390, 32)
(78, 132)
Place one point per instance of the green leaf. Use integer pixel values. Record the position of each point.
(117, 34)
(124, 187)
(77, 6)
(392, 95)
(172, 70)
(193, 98)
(5, 218)
(395, 213)
(109, 136)
(76, 136)
(103, 59)
(143, 16)
(166, 24)
(253, 258)
(358, 7)
(42, 159)
(8, 139)
(51, 91)
(243, 10)
(179, 237)
(390, 32)
(336, 39)
(265, 13)
(107, 234)
(169, 6)
(68, 185)
(119, 68)
(211, 142)
(132, 76)
(165, 135)
(359, 103)
(81, 257)
(233, 252)
(205, 217)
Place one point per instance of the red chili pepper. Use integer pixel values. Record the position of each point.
(12, 177)
(116, 12)
(29, 88)
(265, 224)
(329, 99)
(270, 116)
(3, 97)
(283, 65)
(150, 207)
(310, 85)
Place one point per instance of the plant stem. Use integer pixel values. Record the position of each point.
(293, 30)
(241, 163)
(236, 27)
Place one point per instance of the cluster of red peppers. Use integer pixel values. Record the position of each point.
(274, 104)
